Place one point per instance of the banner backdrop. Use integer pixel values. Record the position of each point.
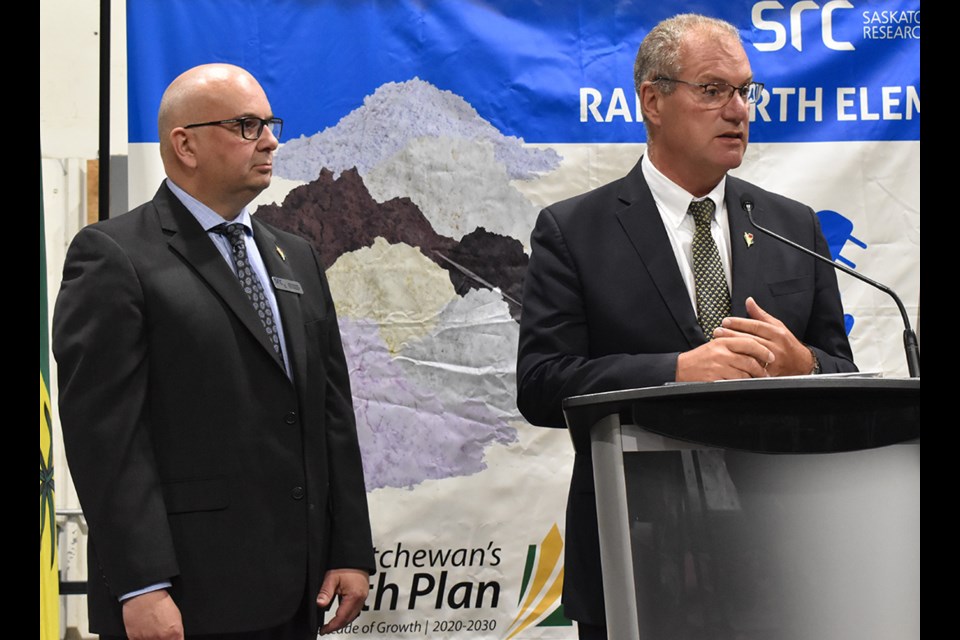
(420, 140)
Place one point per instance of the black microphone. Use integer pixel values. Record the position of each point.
(910, 345)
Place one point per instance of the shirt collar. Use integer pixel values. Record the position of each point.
(675, 198)
(207, 217)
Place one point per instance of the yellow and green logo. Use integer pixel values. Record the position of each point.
(539, 604)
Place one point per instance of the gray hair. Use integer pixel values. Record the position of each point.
(659, 53)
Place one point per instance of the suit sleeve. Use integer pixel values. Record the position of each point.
(826, 333)
(555, 360)
(351, 545)
(100, 345)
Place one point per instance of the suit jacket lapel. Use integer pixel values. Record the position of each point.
(744, 248)
(641, 222)
(188, 239)
(288, 302)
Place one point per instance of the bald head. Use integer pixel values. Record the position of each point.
(195, 92)
(215, 163)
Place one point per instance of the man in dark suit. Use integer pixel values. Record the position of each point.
(209, 424)
(616, 295)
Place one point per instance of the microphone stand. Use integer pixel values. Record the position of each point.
(910, 345)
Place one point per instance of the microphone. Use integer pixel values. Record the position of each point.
(910, 346)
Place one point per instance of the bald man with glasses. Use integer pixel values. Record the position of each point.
(204, 397)
(657, 277)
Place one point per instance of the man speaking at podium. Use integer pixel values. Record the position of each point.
(206, 408)
(658, 277)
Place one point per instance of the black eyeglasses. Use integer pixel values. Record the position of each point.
(250, 128)
(715, 95)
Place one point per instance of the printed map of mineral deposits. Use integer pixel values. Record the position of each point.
(409, 201)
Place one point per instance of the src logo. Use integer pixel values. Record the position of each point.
(775, 10)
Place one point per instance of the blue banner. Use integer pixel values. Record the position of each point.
(547, 72)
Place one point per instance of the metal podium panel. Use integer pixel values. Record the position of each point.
(732, 545)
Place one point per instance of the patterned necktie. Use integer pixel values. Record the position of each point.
(249, 280)
(713, 297)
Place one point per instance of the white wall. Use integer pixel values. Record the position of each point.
(69, 78)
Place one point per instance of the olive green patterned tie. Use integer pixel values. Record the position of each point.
(713, 297)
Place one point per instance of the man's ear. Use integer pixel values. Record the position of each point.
(184, 147)
(650, 101)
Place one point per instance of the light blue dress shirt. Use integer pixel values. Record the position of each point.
(208, 219)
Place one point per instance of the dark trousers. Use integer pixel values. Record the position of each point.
(591, 631)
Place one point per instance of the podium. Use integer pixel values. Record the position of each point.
(785, 508)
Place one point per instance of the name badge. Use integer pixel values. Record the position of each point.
(287, 285)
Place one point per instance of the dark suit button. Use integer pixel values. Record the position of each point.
(290, 418)
(297, 493)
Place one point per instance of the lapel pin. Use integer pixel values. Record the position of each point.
(280, 253)
(747, 237)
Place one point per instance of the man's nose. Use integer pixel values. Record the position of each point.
(737, 108)
(267, 140)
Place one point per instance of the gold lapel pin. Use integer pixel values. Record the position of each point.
(747, 237)
(280, 253)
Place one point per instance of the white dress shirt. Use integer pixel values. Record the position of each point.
(672, 202)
